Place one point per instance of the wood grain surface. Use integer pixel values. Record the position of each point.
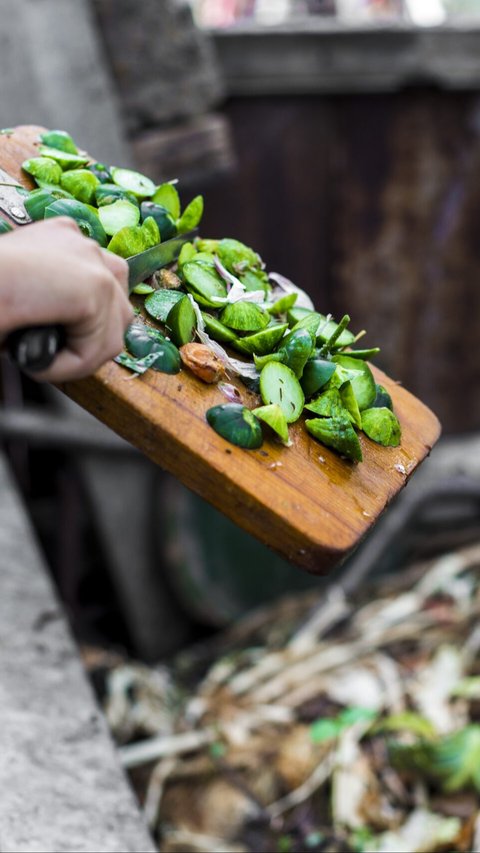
(305, 502)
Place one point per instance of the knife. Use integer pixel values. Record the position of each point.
(35, 348)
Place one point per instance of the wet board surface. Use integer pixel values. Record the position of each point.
(304, 501)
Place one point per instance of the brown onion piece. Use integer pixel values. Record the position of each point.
(202, 362)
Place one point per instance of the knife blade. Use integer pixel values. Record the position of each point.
(145, 264)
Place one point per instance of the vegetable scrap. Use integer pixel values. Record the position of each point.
(219, 294)
(318, 723)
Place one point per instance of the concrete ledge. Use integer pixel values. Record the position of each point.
(61, 787)
(324, 57)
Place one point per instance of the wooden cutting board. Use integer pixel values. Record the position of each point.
(305, 502)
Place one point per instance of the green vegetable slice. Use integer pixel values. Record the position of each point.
(338, 434)
(316, 373)
(187, 253)
(110, 193)
(217, 330)
(365, 354)
(167, 359)
(138, 365)
(120, 214)
(308, 322)
(167, 196)
(60, 140)
(37, 201)
(5, 226)
(81, 184)
(191, 216)
(236, 424)
(363, 383)
(134, 182)
(143, 289)
(203, 281)
(298, 347)
(255, 280)
(244, 317)
(382, 426)
(63, 158)
(87, 221)
(44, 169)
(237, 257)
(282, 305)
(278, 384)
(294, 315)
(274, 417)
(101, 172)
(262, 360)
(141, 340)
(383, 399)
(134, 239)
(350, 402)
(161, 302)
(162, 217)
(263, 342)
(329, 404)
(327, 328)
(182, 322)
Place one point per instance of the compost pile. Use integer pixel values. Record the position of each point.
(320, 723)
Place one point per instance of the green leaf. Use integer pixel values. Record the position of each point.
(324, 730)
(356, 714)
(407, 721)
(191, 216)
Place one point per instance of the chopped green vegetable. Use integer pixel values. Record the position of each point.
(337, 433)
(236, 424)
(363, 383)
(134, 182)
(5, 226)
(237, 257)
(383, 399)
(37, 202)
(203, 281)
(282, 305)
(382, 426)
(274, 417)
(60, 140)
(44, 169)
(278, 384)
(81, 184)
(297, 348)
(101, 172)
(217, 330)
(134, 239)
(182, 322)
(64, 159)
(244, 317)
(161, 302)
(316, 373)
(110, 193)
(166, 195)
(120, 214)
(87, 221)
(262, 342)
(164, 220)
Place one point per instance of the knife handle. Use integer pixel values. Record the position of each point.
(35, 348)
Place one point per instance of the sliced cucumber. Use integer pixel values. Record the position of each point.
(363, 383)
(236, 424)
(282, 305)
(181, 322)
(134, 182)
(101, 172)
(327, 328)
(109, 193)
(278, 384)
(316, 373)
(160, 303)
(120, 214)
(203, 281)
(338, 434)
(60, 140)
(382, 426)
(162, 217)
(43, 169)
(5, 226)
(141, 340)
(328, 404)
(63, 158)
(263, 342)
(81, 184)
(298, 348)
(191, 216)
(87, 221)
(37, 201)
(244, 317)
(217, 330)
(349, 400)
(383, 398)
(274, 417)
(167, 196)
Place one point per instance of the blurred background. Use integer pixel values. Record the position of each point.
(339, 138)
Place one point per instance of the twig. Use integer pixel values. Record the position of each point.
(136, 754)
(299, 795)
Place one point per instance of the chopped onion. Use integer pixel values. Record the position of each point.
(234, 365)
(231, 392)
(198, 314)
(226, 275)
(303, 299)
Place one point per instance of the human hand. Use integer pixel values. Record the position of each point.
(51, 274)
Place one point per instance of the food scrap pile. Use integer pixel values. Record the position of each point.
(218, 295)
(318, 724)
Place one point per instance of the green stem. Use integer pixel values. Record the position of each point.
(328, 345)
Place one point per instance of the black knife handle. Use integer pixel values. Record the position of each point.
(34, 349)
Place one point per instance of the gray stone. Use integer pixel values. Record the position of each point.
(53, 73)
(163, 65)
(61, 786)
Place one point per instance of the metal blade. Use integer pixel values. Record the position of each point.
(142, 266)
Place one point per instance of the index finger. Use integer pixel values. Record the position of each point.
(118, 267)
